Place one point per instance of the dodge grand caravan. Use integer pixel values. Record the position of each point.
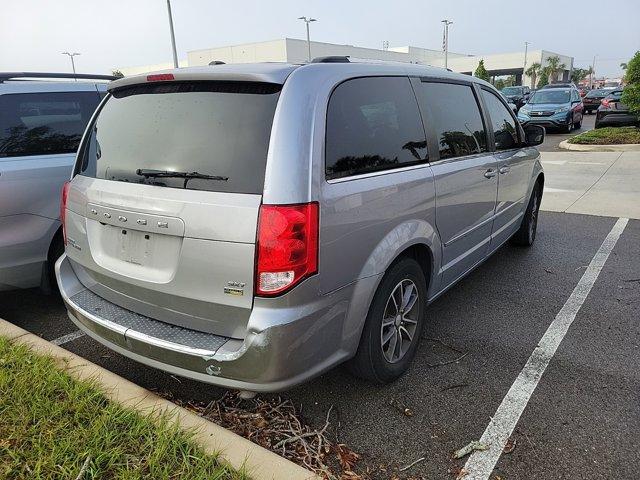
(252, 226)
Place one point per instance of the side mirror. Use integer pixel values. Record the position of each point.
(533, 134)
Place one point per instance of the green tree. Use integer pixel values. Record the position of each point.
(117, 73)
(481, 72)
(631, 93)
(554, 67)
(578, 74)
(544, 77)
(534, 71)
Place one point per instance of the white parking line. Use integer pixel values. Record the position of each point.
(67, 338)
(481, 463)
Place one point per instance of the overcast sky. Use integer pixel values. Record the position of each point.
(112, 33)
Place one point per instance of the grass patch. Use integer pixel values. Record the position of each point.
(53, 426)
(608, 136)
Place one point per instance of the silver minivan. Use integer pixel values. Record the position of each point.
(42, 118)
(254, 225)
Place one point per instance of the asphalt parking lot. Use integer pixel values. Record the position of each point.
(581, 418)
(553, 139)
(581, 421)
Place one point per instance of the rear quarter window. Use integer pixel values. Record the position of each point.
(373, 124)
(44, 123)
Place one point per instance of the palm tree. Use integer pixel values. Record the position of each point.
(534, 72)
(554, 66)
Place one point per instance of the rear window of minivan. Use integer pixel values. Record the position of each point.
(210, 136)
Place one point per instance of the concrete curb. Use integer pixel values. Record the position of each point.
(625, 147)
(233, 450)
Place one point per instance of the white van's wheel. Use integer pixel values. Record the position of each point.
(394, 324)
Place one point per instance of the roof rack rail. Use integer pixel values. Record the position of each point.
(331, 59)
(84, 76)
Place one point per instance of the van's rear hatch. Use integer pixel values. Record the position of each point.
(162, 212)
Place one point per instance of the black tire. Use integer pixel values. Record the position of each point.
(526, 234)
(371, 362)
(568, 128)
(578, 125)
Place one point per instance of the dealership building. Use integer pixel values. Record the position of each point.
(293, 50)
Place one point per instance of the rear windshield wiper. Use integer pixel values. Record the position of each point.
(150, 173)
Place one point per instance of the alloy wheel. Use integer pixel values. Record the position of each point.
(400, 321)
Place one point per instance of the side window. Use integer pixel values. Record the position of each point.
(373, 124)
(44, 123)
(504, 126)
(455, 117)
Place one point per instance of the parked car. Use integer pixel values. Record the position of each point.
(41, 122)
(518, 95)
(554, 108)
(592, 99)
(582, 90)
(512, 105)
(613, 113)
(218, 231)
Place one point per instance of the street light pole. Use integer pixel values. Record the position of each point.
(524, 67)
(173, 37)
(73, 64)
(445, 42)
(593, 71)
(308, 21)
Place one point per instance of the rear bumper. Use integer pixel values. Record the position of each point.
(605, 118)
(297, 344)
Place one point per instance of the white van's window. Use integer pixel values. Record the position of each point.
(44, 123)
(196, 135)
(373, 124)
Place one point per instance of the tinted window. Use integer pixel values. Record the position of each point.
(44, 123)
(595, 93)
(504, 126)
(373, 124)
(551, 96)
(455, 117)
(215, 129)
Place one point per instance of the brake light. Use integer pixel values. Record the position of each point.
(160, 77)
(63, 209)
(287, 247)
(605, 103)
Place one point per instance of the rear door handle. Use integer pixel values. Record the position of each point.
(490, 173)
(504, 170)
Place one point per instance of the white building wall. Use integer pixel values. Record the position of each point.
(297, 51)
(271, 51)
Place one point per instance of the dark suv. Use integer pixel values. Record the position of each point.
(613, 113)
(518, 95)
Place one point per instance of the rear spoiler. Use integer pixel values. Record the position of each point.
(4, 76)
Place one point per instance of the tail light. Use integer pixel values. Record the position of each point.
(606, 103)
(63, 209)
(160, 77)
(287, 247)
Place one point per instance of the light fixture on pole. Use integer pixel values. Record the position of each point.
(308, 21)
(524, 67)
(73, 64)
(173, 37)
(445, 41)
